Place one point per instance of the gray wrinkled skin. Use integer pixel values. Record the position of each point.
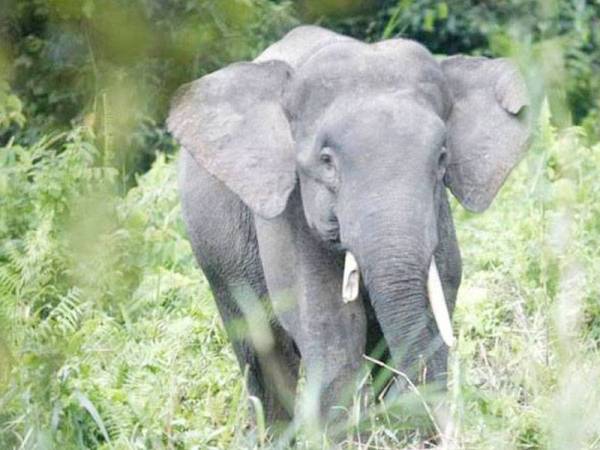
(325, 144)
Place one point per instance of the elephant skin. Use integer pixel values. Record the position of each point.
(325, 145)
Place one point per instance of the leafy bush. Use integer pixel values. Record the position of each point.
(560, 37)
(528, 359)
(95, 62)
(108, 334)
(110, 338)
(102, 307)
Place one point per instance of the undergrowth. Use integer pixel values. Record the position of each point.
(109, 337)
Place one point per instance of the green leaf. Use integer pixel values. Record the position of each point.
(429, 20)
(90, 408)
(442, 10)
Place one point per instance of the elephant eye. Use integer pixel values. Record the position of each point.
(325, 156)
(328, 173)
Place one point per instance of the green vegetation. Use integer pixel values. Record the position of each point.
(108, 334)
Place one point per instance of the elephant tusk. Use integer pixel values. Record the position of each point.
(351, 279)
(438, 304)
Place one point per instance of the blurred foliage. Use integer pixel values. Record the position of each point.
(108, 334)
(528, 311)
(560, 36)
(11, 108)
(113, 64)
(105, 322)
(109, 337)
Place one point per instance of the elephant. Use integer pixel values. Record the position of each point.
(314, 185)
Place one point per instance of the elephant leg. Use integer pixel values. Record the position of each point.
(265, 352)
(332, 340)
(221, 230)
(305, 282)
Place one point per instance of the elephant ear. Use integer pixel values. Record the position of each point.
(488, 129)
(232, 123)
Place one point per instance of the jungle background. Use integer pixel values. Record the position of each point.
(108, 333)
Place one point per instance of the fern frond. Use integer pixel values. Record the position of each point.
(64, 318)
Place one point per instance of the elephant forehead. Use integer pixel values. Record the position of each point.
(299, 44)
(388, 63)
(364, 69)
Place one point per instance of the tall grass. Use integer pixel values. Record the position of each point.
(107, 328)
(109, 337)
(528, 360)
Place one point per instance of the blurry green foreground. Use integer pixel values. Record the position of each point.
(109, 337)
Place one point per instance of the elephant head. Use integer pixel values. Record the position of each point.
(372, 134)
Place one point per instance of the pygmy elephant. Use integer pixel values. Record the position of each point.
(313, 183)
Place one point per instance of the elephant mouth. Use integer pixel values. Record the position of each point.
(331, 230)
(435, 293)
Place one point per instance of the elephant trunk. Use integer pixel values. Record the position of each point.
(396, 261)
(396, 284)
